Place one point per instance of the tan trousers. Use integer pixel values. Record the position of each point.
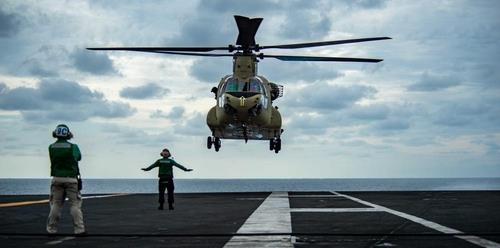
(65, 187)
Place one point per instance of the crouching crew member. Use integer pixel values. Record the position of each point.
(166, 175)
(64, 157)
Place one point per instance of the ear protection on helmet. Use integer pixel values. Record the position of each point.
(62, 132)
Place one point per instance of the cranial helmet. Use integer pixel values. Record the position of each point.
(165, 152)
(62, 132)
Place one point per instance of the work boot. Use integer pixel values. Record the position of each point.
(170, 206)
(160, 207)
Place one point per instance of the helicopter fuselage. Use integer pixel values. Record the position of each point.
(244, 105)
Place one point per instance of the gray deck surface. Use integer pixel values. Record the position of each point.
(361, 219)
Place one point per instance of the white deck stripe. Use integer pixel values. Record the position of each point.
(433, 225)
(102, 196)
(272, 216)
(334, 210)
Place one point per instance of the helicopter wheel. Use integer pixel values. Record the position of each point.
(271, 144)
(277, 145)
(217, 144)
(209, 142)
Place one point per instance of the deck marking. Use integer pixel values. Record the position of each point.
(56, 242)
(272, 216)
(433, 225)
(25, 203)
(334, 210)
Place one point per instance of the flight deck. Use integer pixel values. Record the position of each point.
(264, 219)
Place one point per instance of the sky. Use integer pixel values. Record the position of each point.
(430, 109)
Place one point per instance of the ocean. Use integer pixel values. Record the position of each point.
(105, 186)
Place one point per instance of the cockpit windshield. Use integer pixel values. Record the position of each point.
(253, 85)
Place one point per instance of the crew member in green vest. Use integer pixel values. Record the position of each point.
(64, 157)
(166, 175)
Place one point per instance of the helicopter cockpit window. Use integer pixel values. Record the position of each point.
(253, 85)
(232, 85)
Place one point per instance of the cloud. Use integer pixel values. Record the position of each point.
(309, 124)
(211, 70)
(58, 99)
(175, 113)
(67, 92)
(9, 24)
(92, 62)
(370, 112)
(433, 83)
(307, 21)
(324, 97)
(392, 125)
(292, 72)
(193, 126)
(147, 91)
(21, 98)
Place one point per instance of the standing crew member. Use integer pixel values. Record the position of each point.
(64, 157)
(166, 176)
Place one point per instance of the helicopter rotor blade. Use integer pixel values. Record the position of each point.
(319, 59)
(323, 43)
(166, 49)
(247, 28)
(195, 54)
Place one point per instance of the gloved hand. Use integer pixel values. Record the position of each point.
(189, 170)
(144, 169)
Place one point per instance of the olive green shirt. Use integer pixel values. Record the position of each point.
(64, 157)
(165, 167)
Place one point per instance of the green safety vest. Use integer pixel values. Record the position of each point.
(64, 157)
(165, 167)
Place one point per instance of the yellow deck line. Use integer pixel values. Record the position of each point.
(25, 203)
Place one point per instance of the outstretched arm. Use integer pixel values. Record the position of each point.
(151, 166)
(181, 167)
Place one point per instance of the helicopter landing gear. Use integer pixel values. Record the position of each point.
(215, 141)
(275, 144)
(209, 142)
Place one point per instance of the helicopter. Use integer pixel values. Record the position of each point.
(244, 100)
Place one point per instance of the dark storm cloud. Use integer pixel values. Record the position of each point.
(61, 100)
(325, 97)
(433, 83)
(9, 23)
(147, 91)
(92, 62)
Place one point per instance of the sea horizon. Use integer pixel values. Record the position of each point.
(31, 186)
